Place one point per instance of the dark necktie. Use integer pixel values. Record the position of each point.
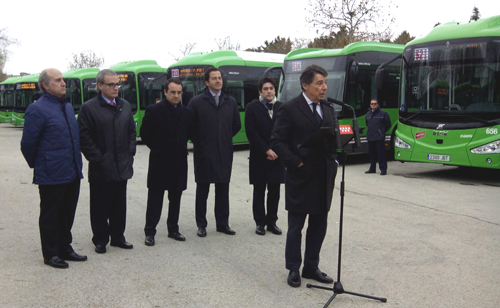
(316, 114)
(270, 109)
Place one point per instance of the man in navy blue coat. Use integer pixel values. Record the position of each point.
(51, 145)
(378, 122)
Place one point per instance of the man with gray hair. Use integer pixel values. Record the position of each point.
(107, 139)
(51, 146)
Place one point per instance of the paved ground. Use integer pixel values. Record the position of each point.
(422, 236)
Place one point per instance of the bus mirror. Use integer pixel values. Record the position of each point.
(353, 73)
(379, 78)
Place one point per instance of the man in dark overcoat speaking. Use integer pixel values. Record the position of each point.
(216, 121)
(310, 173)
(166, 129)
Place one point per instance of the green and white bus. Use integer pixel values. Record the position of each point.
(450, 96)
(7, 99)
(26, 92)
(141, 83)
(241, 71)
(80, 86)
(351, 80)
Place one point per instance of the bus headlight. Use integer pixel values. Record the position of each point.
(489, 148)
(400, 143)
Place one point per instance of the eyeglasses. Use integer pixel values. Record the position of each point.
(373, 103)
(112, 85)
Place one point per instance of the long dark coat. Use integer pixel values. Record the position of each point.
(309, 188)
(166, 130)
(258, 127)
(107, 139)
(214, 128)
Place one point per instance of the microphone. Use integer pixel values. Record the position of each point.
(354, 119)
(337, 102)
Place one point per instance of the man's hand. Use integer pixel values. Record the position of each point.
(271, 155)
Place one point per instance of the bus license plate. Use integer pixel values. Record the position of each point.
(438, 157)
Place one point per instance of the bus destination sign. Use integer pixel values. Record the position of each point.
(192, 72)
(26, 86)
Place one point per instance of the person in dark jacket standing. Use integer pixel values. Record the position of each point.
(265, 167)
(166, 129)
(51, 145)
(378, 123)
(216, 121)
(310, 173)
(107, 139)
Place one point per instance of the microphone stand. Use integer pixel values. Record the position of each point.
(337, 285)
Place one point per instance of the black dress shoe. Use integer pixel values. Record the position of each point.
(202, 232)
(122, 244)
(226, 230)
(260, 230)
(294, 279)
(274, 229)
(317, 275)
(177, 236)
(100, 248)
(370, 171)
(150, 240)
(56, 262)
(383, 173)
(74, 257)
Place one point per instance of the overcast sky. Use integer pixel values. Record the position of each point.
(50, 31)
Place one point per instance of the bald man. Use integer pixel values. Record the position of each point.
(51, 146)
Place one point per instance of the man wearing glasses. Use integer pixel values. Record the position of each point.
(378, 123)
(107, 140)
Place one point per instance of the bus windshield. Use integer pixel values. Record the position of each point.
(150, 87)
(26, 94)
(335, 66)
(73, 91)
(448, 80)
(128, 89)
(193, 80)
(7, 99)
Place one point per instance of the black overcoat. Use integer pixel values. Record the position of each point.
(214, 128)
(107, 139)
(309, 188)
(166, 130)
(258, 127)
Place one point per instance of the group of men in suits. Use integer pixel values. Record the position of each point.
(277, 133)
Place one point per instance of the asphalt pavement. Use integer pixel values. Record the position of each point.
(425, 235)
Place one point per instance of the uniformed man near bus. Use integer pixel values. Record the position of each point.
(378, 123)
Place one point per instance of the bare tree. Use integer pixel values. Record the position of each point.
(185, 49)
(84, 59)
(226, 44)
(5, 42)
(475, 14)
(301, 42)
(350, 20)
